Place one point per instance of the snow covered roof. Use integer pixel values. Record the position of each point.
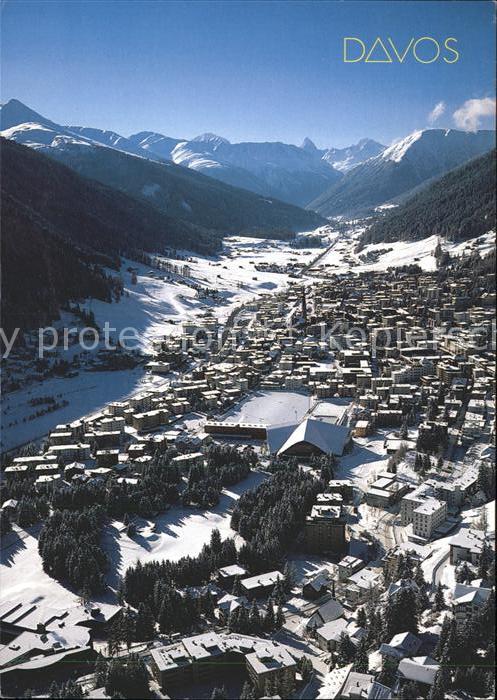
(278, 434)
(365, 578)
(468, 539)
(421, 669)
(403, 583)
(267, 579)
(333, 629)
(229, 603)
(318, 580)
(327, 612)
(470, 594)
(233, 570)
(402, 644)
(364, 685)
(327, 437)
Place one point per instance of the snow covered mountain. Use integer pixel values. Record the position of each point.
(179, 192)
(345, 159)
(400, 168)
(112, 140)
(155, 144)
(23, 125)
(292, 174)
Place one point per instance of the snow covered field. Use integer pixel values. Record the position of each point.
(87, 393)
(364, 462)
(177, 533)
(155, 307)
(272, 407)
(341, 258)
(22, 578)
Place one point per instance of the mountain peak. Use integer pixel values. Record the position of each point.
(398, 149)
(213, 139)
(308, 145)
(15, 112)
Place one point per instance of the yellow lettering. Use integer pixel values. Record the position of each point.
(449, 48)
(378, 42)
(346, 41)
(401, 57)
(426, 38)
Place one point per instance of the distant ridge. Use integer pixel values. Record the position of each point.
(400, 168)
(458, 206)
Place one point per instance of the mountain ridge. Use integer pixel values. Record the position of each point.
(60, 229)
(422, 155)
(179, 192)
(457, 206)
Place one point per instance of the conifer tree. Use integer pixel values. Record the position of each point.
(439, 601)
(440, 685)
(254, 618)
(269, 620)
(345, 650)
(248, 692)
(361, 660)
(362, 620)
(237, 587)
(280, 617)
(409, 691)
(145, 624)
(418, 576)
(100, 671)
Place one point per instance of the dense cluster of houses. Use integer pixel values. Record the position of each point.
(407, 355)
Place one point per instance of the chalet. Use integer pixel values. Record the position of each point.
(468, 600)
(418, 669)
(328, 636)
(363, 685)
(329, 611)
(227, 574)
(260, 585)
(360, 585)
(227, 605)
(316, 585)
(466, 545)
(348, 566)
(400, 646)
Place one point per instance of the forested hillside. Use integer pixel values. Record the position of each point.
(58, 229)
(458, 206)
(401, 168)
(185, 194)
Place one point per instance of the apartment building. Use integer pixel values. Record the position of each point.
(325, 530)
(428, 516)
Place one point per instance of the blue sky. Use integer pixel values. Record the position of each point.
(245, 70)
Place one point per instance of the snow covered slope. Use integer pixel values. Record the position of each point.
(400, 168)
(342, 258)
(279, 170)
(155, 144)
(344, 159)
(112, 140)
